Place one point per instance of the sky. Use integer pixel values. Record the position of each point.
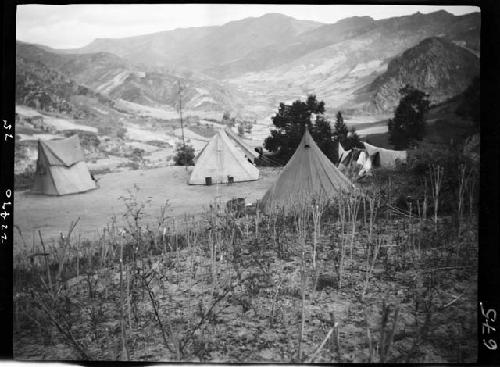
(73, 26)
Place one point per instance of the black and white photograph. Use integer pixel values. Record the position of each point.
(244, 183)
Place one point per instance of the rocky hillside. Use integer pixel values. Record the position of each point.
(337, 71)
(292, 48)
(46, 89)
(436, 66)
(115, 78)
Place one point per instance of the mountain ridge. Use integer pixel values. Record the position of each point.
(251, 65)
(435, 66)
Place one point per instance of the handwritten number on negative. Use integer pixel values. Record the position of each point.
(486, 315)
(7, 127)
(490, 315)
(5, 214)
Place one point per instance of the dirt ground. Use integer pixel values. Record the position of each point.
(53, 215)
(430, 305)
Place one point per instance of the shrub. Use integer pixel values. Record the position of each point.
(184, 155)
(120, 132)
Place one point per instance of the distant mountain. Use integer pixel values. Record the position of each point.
(255, 44)
(204, 47)
(336, 72)
(292, 48)
(249, 66)
(115, 78)
(436, 66)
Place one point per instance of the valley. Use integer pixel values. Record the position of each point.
(123, 96)
(362, 248)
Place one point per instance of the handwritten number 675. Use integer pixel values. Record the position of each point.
(490, 344)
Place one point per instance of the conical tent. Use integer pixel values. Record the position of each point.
(309, 175)
(221, 162)
(61, 168)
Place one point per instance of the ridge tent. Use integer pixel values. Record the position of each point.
(61, 168)
(221, 162)
(355, 160)
(308, 176)
(386, 157)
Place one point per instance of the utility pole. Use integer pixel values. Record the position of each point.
(182, 124)
(180, 113)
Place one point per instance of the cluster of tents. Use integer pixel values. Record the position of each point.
(308, 176)
(363, 160)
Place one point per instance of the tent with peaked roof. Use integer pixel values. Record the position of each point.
(250, 154)
(61, 168)
(221, 162)
(309, 175)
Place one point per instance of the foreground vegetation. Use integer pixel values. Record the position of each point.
(373, 277)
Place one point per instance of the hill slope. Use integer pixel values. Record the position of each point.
(336, 71)
(435, 66)
(116, 78)
(46, 89)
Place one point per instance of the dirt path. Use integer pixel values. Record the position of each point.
(53, 215)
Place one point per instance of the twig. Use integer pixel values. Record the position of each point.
(124, 353)
(46, 260)
(451, 302)
(65, 241)
(447, 268)
(315, 354)
(370, 344)
(188, 336)
(64, 330)
(274, 302)
(391, 337)
(155, 308)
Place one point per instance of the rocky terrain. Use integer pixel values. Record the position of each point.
(436, 66)
(337, 70)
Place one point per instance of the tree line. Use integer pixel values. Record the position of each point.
(405, 129)
(291, 120)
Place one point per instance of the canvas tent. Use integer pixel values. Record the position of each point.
(309, 175)
(365, 163)
(387, 158)
(221, 162)
(342, 153)
(61, 168)
(355, 160)
(249, 153)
